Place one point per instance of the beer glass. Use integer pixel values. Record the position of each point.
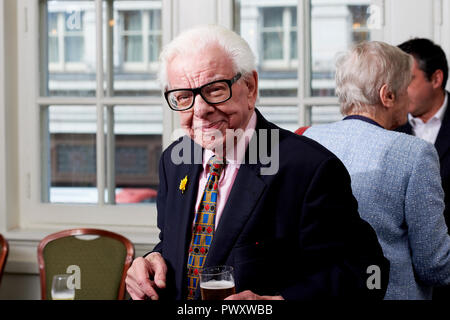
(61, 290)
(217, 283)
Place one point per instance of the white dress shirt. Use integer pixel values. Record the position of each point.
(429, 130)
(230, 170)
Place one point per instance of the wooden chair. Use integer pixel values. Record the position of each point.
(4, 248)
(102, 258)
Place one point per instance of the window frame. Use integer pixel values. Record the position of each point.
(286, 28)
(62, 34)
(35, 213)
(145, 65)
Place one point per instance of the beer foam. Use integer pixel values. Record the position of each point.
(217, 284)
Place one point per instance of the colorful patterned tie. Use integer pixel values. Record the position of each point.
(204, 225)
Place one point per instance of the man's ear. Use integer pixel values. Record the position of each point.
(436, 79)
(387, 97)
(252, 85)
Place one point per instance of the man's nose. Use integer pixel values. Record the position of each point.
(201, 107)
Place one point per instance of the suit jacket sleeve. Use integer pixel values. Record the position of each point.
(428, 234)
(337, 246)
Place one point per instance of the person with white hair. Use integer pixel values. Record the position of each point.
(291, 232)
(395, 177)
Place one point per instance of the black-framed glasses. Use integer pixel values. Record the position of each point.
(213, 93)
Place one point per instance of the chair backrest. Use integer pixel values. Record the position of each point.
(102, 262)
(4, 248)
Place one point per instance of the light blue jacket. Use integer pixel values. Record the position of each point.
(396, 180)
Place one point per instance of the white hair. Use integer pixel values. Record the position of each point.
(363, 70)
(197, 38)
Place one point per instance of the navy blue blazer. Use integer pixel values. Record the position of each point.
(296, 233)
(442, 146)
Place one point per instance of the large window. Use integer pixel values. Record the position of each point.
(92, 116)
(131, 138)
(296, 65)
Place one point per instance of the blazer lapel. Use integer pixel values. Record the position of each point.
(442, 143)
(183, 214)
(246, 191)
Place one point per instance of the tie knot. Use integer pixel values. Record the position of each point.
(216, 165)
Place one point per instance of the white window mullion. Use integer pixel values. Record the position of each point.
(286, 36)
(110, 136)
(100, 141)
(169, 26)
(145, 36)
(304, 59)
(61, 43)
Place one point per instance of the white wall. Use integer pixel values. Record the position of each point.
(20, 287)
(406, 19)
(8, 117)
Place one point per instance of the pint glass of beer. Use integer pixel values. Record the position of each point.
(217, 283)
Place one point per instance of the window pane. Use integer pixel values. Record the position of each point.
(132, 20)
(293, 17)
(53, 53)
(70, 44)
(69, 154)
(138, 147)
(132, 48)
(136, 47)
(294, 45)
(154, 48)
(155, 20)
(335, 26)
(272, 45)
(325, 114)
(52, 22)
(270, 30)
(272, 17)
(74, 49)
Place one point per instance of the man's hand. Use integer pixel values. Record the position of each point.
(249, 295)
(145, 276)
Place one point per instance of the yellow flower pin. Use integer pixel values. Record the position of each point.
(183, 183)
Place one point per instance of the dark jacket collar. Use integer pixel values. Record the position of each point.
(442, 143)
(363, 118)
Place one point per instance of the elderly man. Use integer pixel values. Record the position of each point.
(395, 177)
(290, 234)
